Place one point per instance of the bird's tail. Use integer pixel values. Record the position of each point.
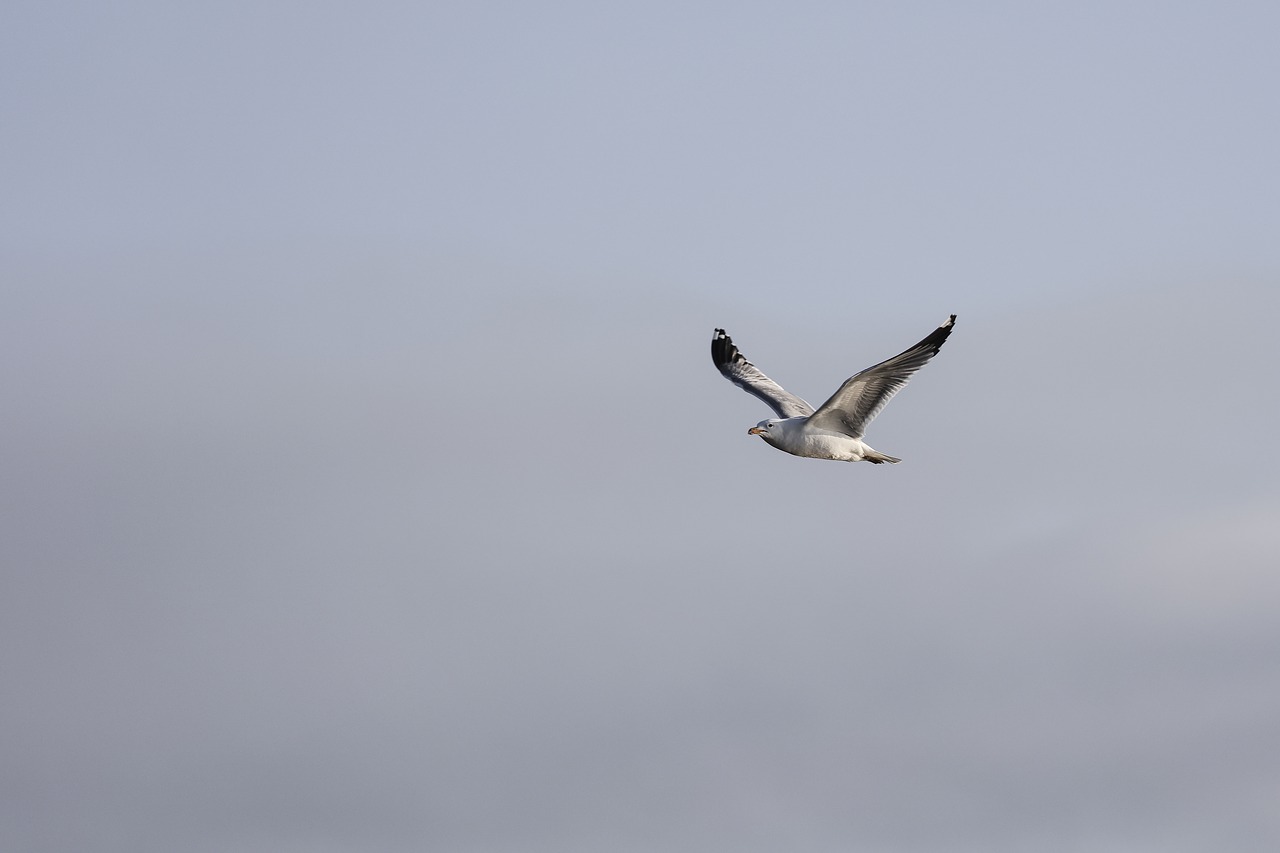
(875, 457)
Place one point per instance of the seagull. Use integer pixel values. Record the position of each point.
(835, 429)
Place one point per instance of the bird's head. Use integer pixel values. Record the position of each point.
(765, 429)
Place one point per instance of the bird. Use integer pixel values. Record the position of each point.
(836, 428)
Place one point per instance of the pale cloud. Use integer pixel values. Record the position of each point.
(1214, 567)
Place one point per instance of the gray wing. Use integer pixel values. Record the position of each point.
(748, 377)
(862, 397)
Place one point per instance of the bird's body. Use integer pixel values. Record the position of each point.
(835, 429)
(797, 437)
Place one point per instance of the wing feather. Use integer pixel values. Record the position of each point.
(863, 395)
(749, 378)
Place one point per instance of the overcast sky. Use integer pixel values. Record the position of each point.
(366, 485)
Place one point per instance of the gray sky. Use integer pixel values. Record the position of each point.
(367, 485)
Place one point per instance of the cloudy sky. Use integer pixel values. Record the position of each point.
(367, 485)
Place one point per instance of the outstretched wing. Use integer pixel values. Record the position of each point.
(748, 377)
(862, 397)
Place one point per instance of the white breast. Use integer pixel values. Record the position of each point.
(800, 439)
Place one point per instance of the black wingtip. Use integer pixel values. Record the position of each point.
(935, 339)
(722, 349)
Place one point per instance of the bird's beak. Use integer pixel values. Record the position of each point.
(755, 431)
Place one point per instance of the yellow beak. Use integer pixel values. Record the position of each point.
(755, 431)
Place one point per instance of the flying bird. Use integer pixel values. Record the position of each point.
(835, 429)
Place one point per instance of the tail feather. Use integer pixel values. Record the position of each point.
(875, 457)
